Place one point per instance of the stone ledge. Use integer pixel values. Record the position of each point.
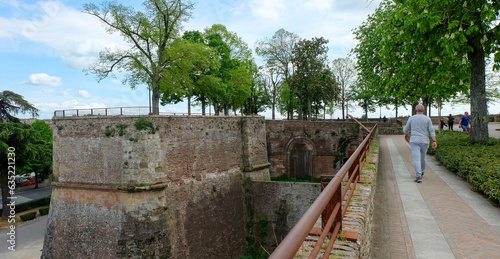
(149, 187)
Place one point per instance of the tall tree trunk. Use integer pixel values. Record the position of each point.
(425, 102)
(203, 105)
(343, 101)
(478, 104)
(156, 100)
(309, 112)
(36, 179)
(396, 108)
(189, 105)
(216, 109)
(300, 105)
(274, 102)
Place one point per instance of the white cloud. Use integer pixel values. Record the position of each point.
(66, 92)
(42, 79)
(70, 104)
(50, 91)
(84, 94)
(91, 106)
(267, 9)
(319, 5)
(76, 37)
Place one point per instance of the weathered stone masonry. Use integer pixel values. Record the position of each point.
(328, 142)
(177, 189)
(175, 193)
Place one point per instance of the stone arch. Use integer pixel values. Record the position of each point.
(300, 152)
(346, 146)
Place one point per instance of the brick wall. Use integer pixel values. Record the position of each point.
(175, 193)
(329, 139)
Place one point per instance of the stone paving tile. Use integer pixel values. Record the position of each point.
(466, 232)
(391, 238)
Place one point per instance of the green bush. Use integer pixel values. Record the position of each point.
(44, 211)
(31, 204)
(28, 216)
(478, 163)
(143, 124)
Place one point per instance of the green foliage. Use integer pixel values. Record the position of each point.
(32, 204)
(424, 50)
(121, 127)
(478, 163)
(343, 69)
(313, 83)
(107, 131)
(44, 211)
(155, 49)
(12, 104)
(143, 124)
(28, 216)
(277, 53)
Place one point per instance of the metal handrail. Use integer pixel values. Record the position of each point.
(119, 111)
(333, 196)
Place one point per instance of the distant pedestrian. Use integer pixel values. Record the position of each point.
(384, 119)
(450, 121)
(417, 131)
(443, 124)
(464, 122)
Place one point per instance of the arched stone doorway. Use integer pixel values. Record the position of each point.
(300, 159)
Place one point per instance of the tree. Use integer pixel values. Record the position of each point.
(235, 71)
(272, 82)
(402, 73)
(191, 61)
(17, 142)
(42, 163)
(150, 35)
(277, 53)
(309, 58)
(11, 104)
(262, 94)
(449, 41)
(345, 72)
(361, 91)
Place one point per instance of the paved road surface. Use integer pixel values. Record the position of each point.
(25, 195)
(438, 218)
(29, 240)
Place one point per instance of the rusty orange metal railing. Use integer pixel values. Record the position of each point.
(329, 205)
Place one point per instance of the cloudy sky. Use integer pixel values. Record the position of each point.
(46, 45)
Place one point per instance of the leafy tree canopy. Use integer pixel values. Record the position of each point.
(11, 104)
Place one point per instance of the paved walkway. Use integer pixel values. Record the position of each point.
(438, 218)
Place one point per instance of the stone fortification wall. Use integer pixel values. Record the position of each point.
(170, 190)
(282, 204)
(330, 141)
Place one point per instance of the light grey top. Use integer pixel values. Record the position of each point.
(420, 127)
